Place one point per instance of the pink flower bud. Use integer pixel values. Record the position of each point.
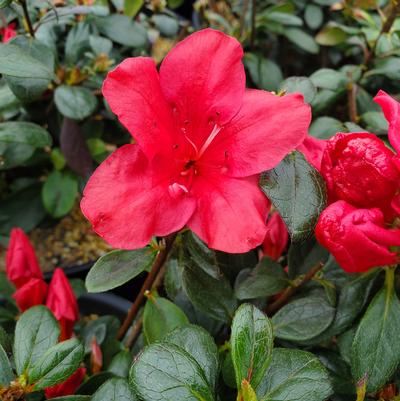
(277, 237)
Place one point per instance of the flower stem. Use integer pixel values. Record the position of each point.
(27, 18)
(389, 278)
(290, 291)
(157, 265)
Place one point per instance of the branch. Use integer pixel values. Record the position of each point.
(290, 291)
(27, 18)
(157, 265)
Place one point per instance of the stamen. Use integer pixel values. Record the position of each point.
(176, 190)
(193, 144)
(209, 140)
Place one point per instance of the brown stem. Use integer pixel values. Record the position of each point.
(242, 21)
(351, 100)
(157, 265)
(27, 18)
(290, 291)
(253, 24)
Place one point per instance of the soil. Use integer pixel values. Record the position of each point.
(71, 242)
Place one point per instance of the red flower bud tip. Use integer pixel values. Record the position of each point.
(8, 32)
(357, 238)
(21, 262)
(277, 237)
(360, 169)
(62, 302)
(30, 294)
(68, 387)
(96, 356)
(313, 150)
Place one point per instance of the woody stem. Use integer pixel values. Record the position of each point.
(290, 291)
(27, 18)
(151, 277)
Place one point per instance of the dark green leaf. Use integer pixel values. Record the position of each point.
(121, 363)
(160, 317)
(75, 102)
(117, 267)
(56, 364)
(267, 278)
(6, 373)
(15, 62)
(299, 84)
(251, 344)
(294, 375)
(298, 192)
(313, 16)
(116, 389)
(25, 133)
(90, 386)
(303, 318)
(59, 193)
(302, 40)
(328, 78)
(198, 343)
(36, 331)
(212, 296)
(167, 372)
(376, 349)
(331, 36)
(326, 127)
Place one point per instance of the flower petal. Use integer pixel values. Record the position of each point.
(264, 131)
(128, 202)
(203, 79)
(231, 213)
(133, 92)
(391, 110)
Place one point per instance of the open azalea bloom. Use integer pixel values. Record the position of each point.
(202, 139)
(8, 32)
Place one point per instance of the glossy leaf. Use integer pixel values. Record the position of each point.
(118, 267)
(251, 344)
(114, 390)
(167, 372)
(298, 192)
(299, 84)
(6, 373)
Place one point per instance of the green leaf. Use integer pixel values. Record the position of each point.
(174, 3)
(303, 318)
(167, 25)
(72, 398)
(121, 363)
(15, 62)
(326, 127)
(266, 279)
(57, 364)
(77, 42)
(75, 102)
(251, 344)
(114, 390)
(25, 133)
(100, 45)
(294, 375)
(29, 89)
(331, 36)
(302, 40)
(123, 30)
(212, 296)
(5, 3)
(299, 84)
(314, 16)
(118, 267)
(376, 349)
(389, 67)
(6, 373)
(247, 392)
(36, 331)
(59, 193)
(160, 317)
(327, 78)
(298, 192)
(132, 7)
(199, 344)
(263, 72)
(167, 372)
(375, 122)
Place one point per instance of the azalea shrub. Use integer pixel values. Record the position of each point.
(242, 160)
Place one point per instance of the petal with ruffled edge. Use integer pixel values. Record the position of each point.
(264, 131)
(391, 110)
(231, 213)
(128, 202)
(203, 79)
(133, 93)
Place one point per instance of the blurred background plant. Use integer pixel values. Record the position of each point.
(55, 127)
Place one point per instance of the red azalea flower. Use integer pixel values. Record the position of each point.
(68, 387)
(30, 294)
(313, 150)
(21, 262)
(96, 356)
(359, 169)
(8, 32)
(277, 237)
(202, 139)
(357, 238)
(62, 302)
